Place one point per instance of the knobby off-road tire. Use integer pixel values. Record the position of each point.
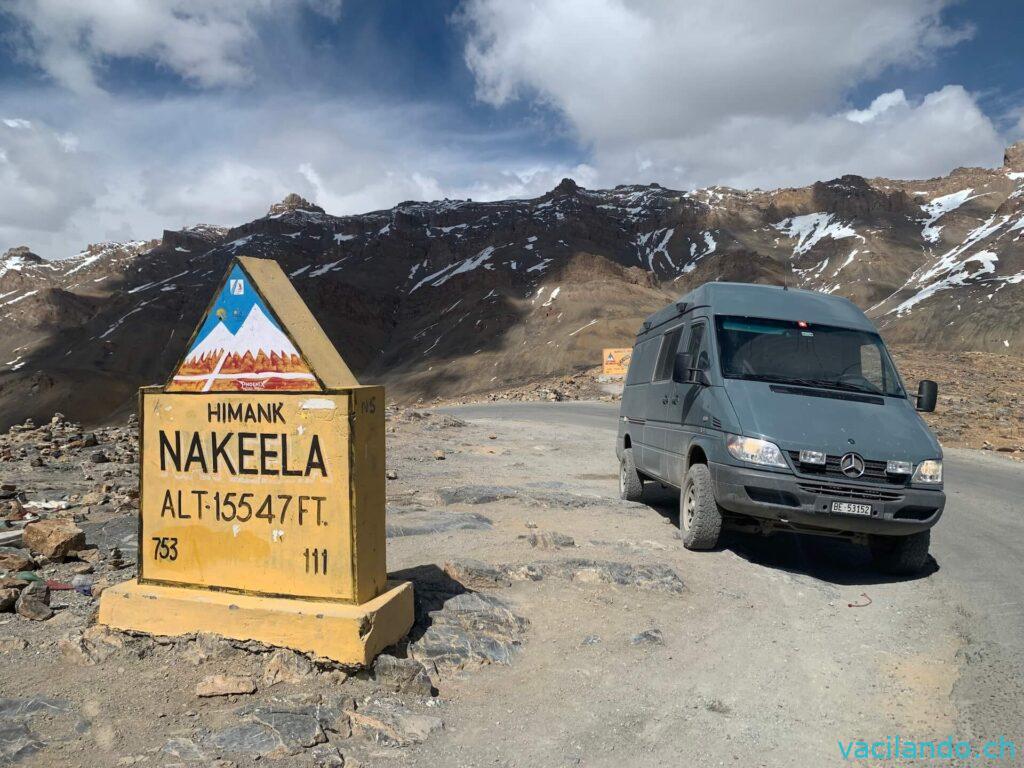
(631, 487)
(900, 554)
(700, 517)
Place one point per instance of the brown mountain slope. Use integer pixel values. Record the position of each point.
(451, 296)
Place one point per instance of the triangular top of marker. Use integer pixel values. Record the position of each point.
(258, 335)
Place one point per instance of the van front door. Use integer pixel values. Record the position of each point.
(682, 411)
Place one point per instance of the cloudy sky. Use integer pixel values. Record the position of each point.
(119, 118)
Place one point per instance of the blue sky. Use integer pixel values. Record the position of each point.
(118, 123)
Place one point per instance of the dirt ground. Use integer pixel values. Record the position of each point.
(598, 640)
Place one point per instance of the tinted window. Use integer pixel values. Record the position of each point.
(666, 357)
(642, 362)
(695, 347)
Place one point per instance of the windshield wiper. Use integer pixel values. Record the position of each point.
(833, 384)
(800, 382)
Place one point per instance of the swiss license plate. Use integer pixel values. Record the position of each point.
(849, 508)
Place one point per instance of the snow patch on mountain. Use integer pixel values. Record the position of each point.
(812, 228)
(939, 207)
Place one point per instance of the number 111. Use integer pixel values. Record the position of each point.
(316, 558)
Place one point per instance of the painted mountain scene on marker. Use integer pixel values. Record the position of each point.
(241, 348)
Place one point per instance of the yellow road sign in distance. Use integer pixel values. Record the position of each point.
(255, 492)
(615, 361)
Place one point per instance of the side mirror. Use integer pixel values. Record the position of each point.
(927, 395)
(681, 368)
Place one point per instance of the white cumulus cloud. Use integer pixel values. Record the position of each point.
(723, 91)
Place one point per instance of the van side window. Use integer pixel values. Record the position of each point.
(667, 355)
(695, 347)
(642, 362)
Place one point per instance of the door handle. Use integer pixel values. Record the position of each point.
(664, 400)
(675, 399)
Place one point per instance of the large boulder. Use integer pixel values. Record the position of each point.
(53, 538)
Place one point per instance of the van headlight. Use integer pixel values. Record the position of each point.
(755, 451)
(929, 471)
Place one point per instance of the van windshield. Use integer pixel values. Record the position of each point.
(805, 354)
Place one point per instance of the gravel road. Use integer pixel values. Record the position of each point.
(771, 641)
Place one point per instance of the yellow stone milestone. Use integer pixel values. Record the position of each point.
(262, 487)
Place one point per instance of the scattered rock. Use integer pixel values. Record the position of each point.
(92, 646)
(402, 675)
(54, 539)
(34, 602)
(648, 637)
(186, 749)
(287, 666)
(99, 457)
(419, 522)
(476, 494)
(439, 455)
(270, 732)
(225, 685)
(476, 574)
(391, 474)
(391, 723)
(591, 640)
(12, 644)
(470, 630)
(550, 540)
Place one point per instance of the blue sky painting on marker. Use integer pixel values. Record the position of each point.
(236, 308)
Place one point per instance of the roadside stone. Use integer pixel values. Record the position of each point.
(270, 732)
(225, 685)
(656, 578)
(417, 522)
(12, 644)
(648, 637)
(12, 559)
(203, 647)
(34, 602)
(16, 741)
(8, 599)
(476, 494)
(548, 540)
(94, 645)
(391, 723)
(476, 574)
(402, 675)
(185, 749)
(327, 756)
(439, 455)
(53, 538)
(286, 666)
(99, 457)
(470, 630)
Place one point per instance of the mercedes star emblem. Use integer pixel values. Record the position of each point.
(851, 465)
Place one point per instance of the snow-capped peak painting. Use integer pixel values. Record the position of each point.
(241, 348)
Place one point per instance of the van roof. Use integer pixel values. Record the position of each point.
(769, 301)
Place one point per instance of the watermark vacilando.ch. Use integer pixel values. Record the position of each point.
(898, 747)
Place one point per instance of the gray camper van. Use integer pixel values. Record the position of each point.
(780, 409)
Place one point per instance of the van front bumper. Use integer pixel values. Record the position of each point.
(805, 502)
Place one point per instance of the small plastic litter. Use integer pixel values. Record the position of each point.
(58, 586)
(82, 584)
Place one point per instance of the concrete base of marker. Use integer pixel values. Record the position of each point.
(349, 634)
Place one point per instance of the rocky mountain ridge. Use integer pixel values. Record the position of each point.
(454, 296)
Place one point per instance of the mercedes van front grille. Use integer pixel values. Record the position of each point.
(851, 492)
(874, 470)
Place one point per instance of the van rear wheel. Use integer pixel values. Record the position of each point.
(631, 486)
(700, 517)
(900, 554)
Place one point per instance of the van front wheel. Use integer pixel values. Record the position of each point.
(700, 517)
(631, 487)
(901, 555)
